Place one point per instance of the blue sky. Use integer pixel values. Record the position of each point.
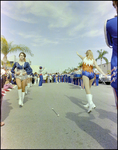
(55, 30)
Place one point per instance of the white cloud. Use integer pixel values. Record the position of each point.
(81, 25)
(37, 40)
(31, 35)
(58, 12)
(43, 41)
(93, 33)
(14, 10)
(103, 7)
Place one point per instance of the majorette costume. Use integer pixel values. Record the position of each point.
(21, 68)
(87, 70)
(110, 31)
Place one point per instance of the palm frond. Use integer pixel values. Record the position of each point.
(4, 46)
(104, 52)
(99, 51)
(101, 54)
(80, 64)
(106, 60)
(22, 48)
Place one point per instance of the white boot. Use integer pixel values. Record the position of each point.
(90, 102)
(87, 105)
(26, 89)
(30, 83)
(23, 95)
(20, 96)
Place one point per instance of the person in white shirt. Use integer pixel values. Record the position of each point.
(38, 78)
(2, 70)
(80, 82)
(41, 76)
(35, 77)
(50, 77)
(3, 76)
(44, 78)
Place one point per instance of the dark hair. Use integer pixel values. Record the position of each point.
(40, 67)
(22, 53)
(81, 65)
(115, 3)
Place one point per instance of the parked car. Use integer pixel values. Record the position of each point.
(104, 80)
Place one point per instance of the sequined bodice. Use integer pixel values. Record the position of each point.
(87, 65)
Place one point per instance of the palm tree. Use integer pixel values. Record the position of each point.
(80, 64)
(101, 56)
(9, 48)
(68, 70)
(8, 64)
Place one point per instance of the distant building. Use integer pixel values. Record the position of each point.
(35, 68)
(106, 67)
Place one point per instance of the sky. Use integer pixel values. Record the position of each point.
(55, 30)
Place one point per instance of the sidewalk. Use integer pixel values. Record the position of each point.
(37, 126)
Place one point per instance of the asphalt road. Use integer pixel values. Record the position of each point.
(37, 126)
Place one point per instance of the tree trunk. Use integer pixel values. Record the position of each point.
(101, 63)
(4, 61)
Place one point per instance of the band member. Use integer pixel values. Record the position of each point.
(41, 76)
(96, 77)
(21, 70)
(88, 76)
(110, 31)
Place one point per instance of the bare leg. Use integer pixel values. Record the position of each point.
(86, 84)
(23, 90)
(23, 85)
(28, 82)
(18, 82)
(90, 82)
(26, 85)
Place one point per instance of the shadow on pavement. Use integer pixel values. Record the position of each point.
(107, 114)
(102, 113)
(78, 101)
(102, 136)
(26, 99)
(5, 109)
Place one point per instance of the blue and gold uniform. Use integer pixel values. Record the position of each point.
(87, 68)
(21, 68)
(110, 30)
